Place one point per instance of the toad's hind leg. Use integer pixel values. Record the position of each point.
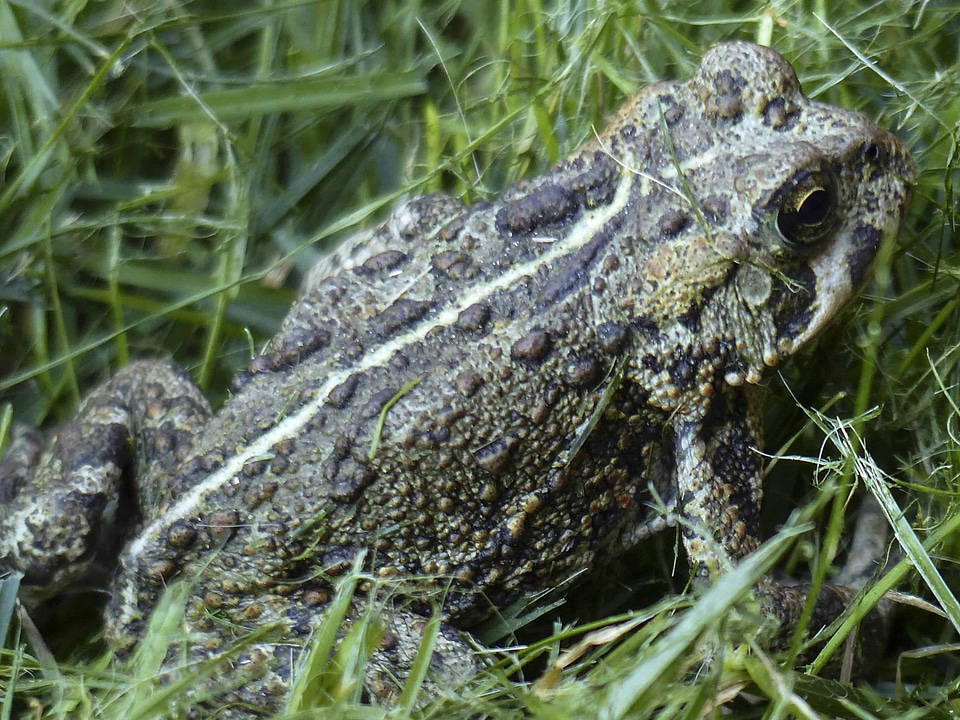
(68, 499)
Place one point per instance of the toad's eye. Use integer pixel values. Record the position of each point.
(807, 211)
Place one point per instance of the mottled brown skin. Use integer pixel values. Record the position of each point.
(593, 333)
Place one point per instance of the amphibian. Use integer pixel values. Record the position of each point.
(486, 395)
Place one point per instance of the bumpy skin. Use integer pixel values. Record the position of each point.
(593, 333)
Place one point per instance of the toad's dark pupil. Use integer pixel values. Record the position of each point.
(814, 208)
(806, 215)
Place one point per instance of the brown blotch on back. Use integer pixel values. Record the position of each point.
(535, 345)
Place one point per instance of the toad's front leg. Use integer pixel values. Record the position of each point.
(719, 472)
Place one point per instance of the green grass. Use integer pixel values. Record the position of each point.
(170, 169)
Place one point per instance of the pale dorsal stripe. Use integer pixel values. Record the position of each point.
(591, 223)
